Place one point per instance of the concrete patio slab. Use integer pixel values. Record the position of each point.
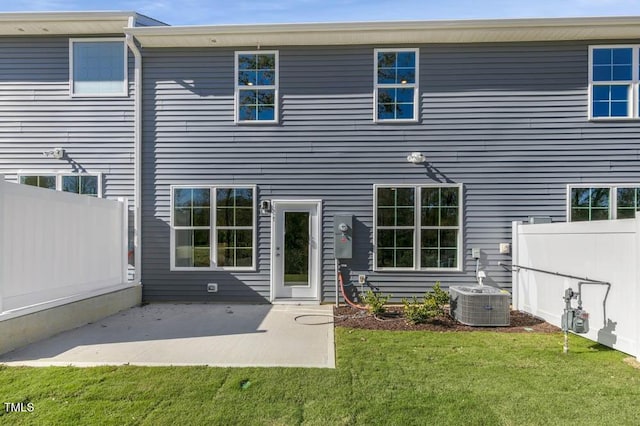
(193, 334)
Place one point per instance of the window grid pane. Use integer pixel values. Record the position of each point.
(614, 79)
(44, 181)
(397, 241)
(234, 222)
(395, 230)
(80, 184)
(396, 85)
(439, 227)
(588, 204)
(191, 223)
(628, 202)
(257, 80)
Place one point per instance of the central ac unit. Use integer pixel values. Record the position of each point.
(480, 305)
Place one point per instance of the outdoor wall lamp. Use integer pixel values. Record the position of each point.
(416, 158)
(56, 153)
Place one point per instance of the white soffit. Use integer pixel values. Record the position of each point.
(68, 23)
(378, 33)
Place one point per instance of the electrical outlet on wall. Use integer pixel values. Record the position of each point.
(362, 279)
(212, 287)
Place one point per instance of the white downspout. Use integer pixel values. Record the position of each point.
(137, 156)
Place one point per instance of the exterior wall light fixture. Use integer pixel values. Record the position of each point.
(416, 158)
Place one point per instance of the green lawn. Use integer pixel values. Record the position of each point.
(386, 378)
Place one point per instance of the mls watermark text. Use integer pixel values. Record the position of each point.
(19, 407)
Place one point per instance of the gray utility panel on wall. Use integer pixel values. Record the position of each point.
(343, 236)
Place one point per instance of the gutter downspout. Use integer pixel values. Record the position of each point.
(137, 143)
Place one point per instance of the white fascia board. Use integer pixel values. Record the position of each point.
(403, 32)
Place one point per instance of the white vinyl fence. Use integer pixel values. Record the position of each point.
(604, 251)
(57, 247)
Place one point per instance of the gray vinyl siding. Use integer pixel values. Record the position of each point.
(508, 121)
(37, 114)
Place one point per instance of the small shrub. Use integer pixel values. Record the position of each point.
(415, 312)
(432, 305)
(375, 302)
(440, 296)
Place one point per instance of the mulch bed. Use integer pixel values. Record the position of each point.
(346, 316)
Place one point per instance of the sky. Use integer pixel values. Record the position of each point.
(221, 12)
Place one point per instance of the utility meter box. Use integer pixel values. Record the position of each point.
(343, 236)
(576, 320)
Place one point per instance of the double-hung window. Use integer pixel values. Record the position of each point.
(418, 227)
(396, 84)
(98, 67)
(78, 183)
(613, 82)
(213, 227)
(256, 87)
(602, 202)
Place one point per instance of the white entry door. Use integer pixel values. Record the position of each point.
(295, 251)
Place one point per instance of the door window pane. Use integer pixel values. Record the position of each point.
(296, 248)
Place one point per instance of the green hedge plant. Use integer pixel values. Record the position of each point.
(376, 302)
(431, 306)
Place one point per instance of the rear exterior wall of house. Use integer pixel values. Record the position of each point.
(508, 122)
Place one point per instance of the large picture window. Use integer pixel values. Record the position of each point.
(613, 81)
(256, 87)
(418, 227)
(213, 227)
(602, 202)
(396, 85)
(98, 67)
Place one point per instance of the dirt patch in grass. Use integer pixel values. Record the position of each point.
(632, 362)
(346, 316)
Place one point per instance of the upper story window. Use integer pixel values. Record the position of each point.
(613, 82)
(213, 227)
(78, 183)
(602, 202)
(396, 85)
(98, 67)
(256, 87)
(418, 227)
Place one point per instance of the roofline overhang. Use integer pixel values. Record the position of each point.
(71, 23)
(403, 32)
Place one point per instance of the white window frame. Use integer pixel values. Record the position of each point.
(125, 83)
(213, 230)
(633, 110)
(417, 226)
(415, 86)
(275, 87)
(613, 197)
(58, 175)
